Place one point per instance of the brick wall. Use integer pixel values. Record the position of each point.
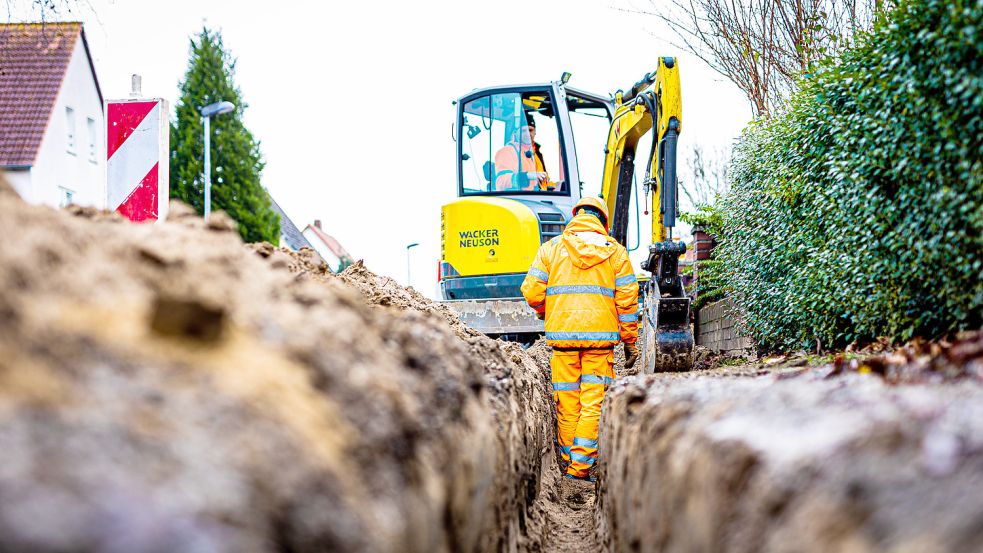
(698, 250)
(703, 244)
(717, 328)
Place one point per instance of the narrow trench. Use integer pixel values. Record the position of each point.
(567, 506)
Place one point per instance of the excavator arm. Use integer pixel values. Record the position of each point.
(654, 101)
(652, 104)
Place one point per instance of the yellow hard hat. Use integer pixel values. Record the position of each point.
(596, 203)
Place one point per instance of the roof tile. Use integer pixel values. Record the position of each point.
(329, 241)
(33, 61)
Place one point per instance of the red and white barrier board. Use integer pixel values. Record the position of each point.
(137, 153)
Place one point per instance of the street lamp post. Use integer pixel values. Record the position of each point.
(408, 281)
(207, 112)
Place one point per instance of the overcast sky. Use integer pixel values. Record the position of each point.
(352, 101)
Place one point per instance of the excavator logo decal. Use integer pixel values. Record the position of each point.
(478, 238)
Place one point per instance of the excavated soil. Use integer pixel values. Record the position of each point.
(520, 400)
(167, 388)
(883, 453)
(164, 388)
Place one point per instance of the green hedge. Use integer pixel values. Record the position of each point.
(858, 212)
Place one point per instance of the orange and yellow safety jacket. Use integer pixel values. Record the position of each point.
(583, 282)
(513, 162)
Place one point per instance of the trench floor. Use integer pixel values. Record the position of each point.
(570, 518)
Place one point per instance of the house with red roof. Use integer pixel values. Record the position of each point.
(327, 247)
(51, 115)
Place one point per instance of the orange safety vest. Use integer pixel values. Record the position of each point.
(508, 167)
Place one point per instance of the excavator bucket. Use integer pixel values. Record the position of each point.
(667, 336)
(501, 316)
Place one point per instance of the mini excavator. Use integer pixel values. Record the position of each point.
(518, 178)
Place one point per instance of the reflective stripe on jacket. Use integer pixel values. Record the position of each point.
(583, 282)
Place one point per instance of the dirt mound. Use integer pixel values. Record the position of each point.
(749, 459)
(519, 399)
(166, 389)
(306, 263)
(384, 291)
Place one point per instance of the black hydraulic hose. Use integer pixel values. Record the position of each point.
(650, 104)
(638, 218)
(611, 126)
(647, 175)
(648, 79)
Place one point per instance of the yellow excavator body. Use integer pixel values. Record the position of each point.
(519, 176)
(488, 236)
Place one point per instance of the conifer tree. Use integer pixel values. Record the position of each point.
(235, 155)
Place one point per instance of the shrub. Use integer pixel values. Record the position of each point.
(858, 211)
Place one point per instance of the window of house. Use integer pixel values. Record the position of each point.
(70, 120)
(66, 196)
(91, 124)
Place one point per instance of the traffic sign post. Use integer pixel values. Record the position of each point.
(137, 153)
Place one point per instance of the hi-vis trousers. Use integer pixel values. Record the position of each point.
(580, 378)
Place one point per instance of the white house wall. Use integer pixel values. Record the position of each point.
(322, 249)
(58, 169)
(20, 179)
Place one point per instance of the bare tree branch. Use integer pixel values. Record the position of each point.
(45, 10)
(763, 46)
(707, 175)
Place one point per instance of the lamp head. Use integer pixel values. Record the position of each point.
(217, 108)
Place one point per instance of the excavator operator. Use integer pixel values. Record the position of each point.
(519, 164)
(544, 182)
(582, 284)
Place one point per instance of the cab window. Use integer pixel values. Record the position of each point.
(591, 123)
(510, 144)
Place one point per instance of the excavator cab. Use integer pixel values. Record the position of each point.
(514, 138)
(518, 179)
